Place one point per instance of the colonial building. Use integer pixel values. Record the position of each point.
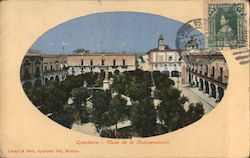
(98, 62)
(31, 69)
(164, 60)
(38, 69)
(54, 68)
(208, 72)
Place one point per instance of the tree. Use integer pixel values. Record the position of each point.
(137, 91)
(117, 109)
(143, 117)
(37, 96)
(118, 84)
(80, 96)
(64, 118)
(55, 98)
(194, 113)
(99, 115)
(99, 80)
(171, 110)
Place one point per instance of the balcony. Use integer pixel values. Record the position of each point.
(218, 81)
(114, 66)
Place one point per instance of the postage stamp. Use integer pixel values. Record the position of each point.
(227, 26)
(191, 38)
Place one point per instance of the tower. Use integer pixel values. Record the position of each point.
(161, 44)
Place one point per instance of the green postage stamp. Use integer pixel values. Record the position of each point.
(227, 25)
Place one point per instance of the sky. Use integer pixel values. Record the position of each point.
(109, 32)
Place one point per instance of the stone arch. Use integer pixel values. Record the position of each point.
(46, 81)
(116, 72)
(213, 90)
(51, 80)
(57, 79)
(201, 84)
(27, 85)
(221, 93)
(37, 83)
(207, 87)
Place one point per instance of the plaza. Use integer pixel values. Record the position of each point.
(124, 95)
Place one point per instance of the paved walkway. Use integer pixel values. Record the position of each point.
(122, 124)
(90, 129)
(195, 96)
(87, 128)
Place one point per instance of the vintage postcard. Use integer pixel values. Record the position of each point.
(136, 78)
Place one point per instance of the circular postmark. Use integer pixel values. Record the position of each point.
(192, 42)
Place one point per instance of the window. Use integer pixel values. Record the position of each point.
(123, 62)
(45, 67)
(91, 62)
(102, 62)
(170, 58)
(160, 58)
(114, 62)
(81, 62)
(51, 67)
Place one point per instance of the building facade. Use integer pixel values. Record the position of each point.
(38, 69)
(164, 60)
(211, 76)
(54, 68)
(99, 62)
(31, 69)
